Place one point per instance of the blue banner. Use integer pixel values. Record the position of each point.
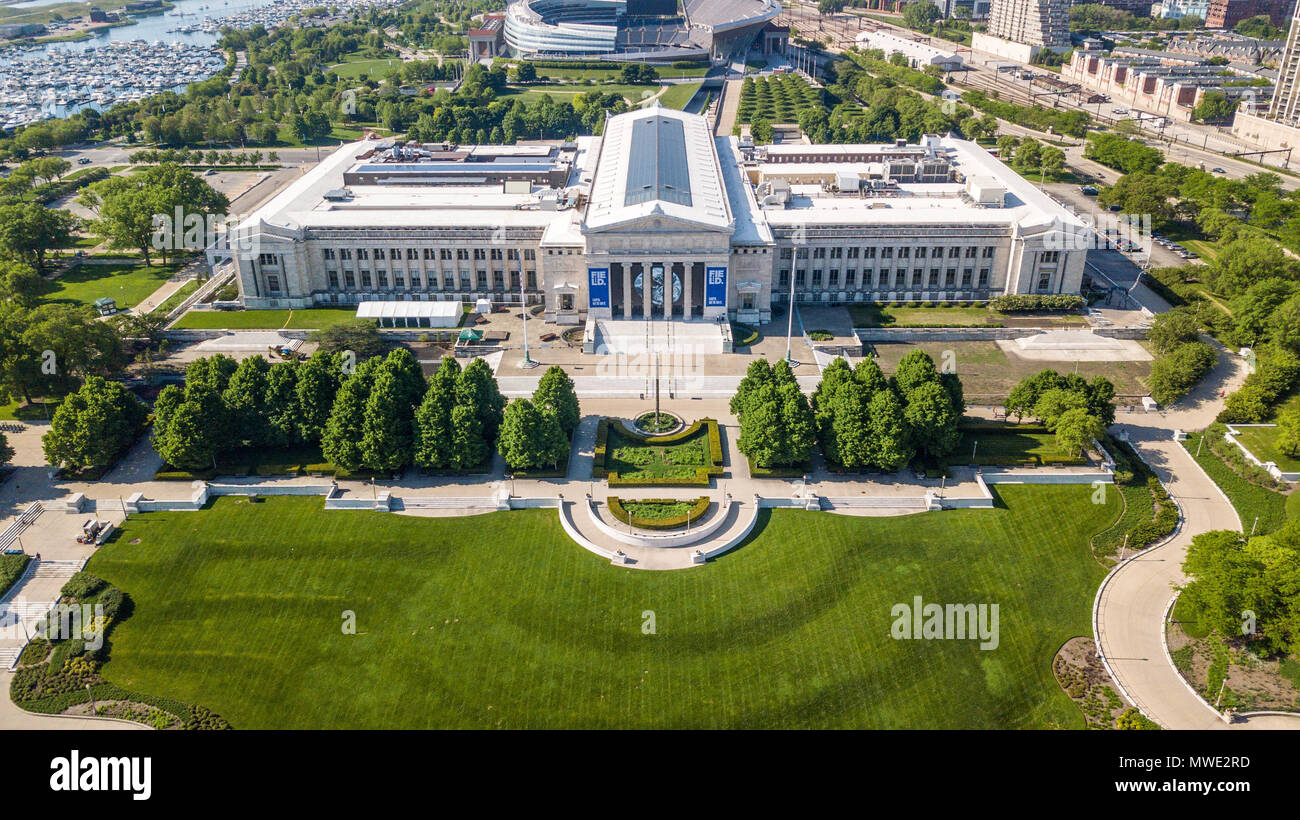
(715, 287)
(598, 287)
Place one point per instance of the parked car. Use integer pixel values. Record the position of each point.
(1088, 190)
(1218, 170)
(84, 161)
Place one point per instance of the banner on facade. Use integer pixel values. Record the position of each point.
(598, 287)
(715, 287)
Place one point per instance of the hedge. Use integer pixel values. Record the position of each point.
(1034, 302)
(12, 567)
(698, 509)
(780, 470)
(1131, 472)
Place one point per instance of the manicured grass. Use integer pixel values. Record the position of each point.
(1249, 500)
(567, 91)
(374, 69)
(41, 409)
(633, 459)
(128, 283)
(173, 301)
(878, 315)
(501, 621)
(1011, 447)
(677, 96)
(1262, 443)
(303, 319)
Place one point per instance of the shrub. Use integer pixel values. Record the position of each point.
(1034, 302)
(1177, 372)
(82, 585)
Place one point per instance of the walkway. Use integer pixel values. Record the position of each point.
(1130, 616)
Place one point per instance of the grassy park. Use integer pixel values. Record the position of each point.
(506, 623)
(129, 283)
(300, 319)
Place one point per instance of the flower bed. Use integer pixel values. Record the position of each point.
(658, 513)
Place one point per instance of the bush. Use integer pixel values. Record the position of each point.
(1035, 302)
(82, 585)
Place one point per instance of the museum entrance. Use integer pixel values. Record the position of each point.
(657, 290)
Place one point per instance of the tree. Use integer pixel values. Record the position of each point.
(317, 384)
(1055, 403)
(28, 231)
(930, 419)
(555, 392)
(21, 284)
(82, 345)
(1175, 373)
(758, 374)
(189, 441)
(282, 411)
(360, 336)
(1288, 437)
(93, 426)
(245, 401)
(468, 447)
(848, 439)
(6, 451)
(1173, 328)
(890, 447)
(1214, 107)
(920, 15)
(386, 428)
(477, 388)
(530, 439)
(1076, 429)
(341, 441)
(433, 418)
(762, 437)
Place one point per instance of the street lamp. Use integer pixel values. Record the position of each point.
(789, 326)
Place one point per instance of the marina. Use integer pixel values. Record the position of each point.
(158, 52)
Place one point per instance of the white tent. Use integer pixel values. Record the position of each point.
(412, 314)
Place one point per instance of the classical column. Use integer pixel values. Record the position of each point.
(627, 289)
(647, 288)
(688, 279)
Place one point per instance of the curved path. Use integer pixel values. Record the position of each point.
(1131, 607)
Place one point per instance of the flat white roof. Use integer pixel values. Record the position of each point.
(408, 310)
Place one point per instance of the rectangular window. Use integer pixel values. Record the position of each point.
(850, 276)
(984, 277)
(273, 284)
(934, 277)
(853, 253)
(382, 276)
(988, 252)
(415, 280)
(966, 275)
(365, 278)
(817, 278)
(334, 279)
(835, 277)
(917, 275)
(904, 252)
(800, 278)
(886, 253)
(950, 277)
(362, 253)
(869, 253)
(349, 279)
(784, 277)
(328, 254)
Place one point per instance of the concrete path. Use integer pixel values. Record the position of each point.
(1131, 607)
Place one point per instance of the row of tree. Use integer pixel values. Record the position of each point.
(380, 416)
(865, 420)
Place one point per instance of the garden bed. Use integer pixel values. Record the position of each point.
(688, 458)
(658, 513)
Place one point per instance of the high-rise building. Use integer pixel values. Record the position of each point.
(1286, 95)
(1043, 23)
(1228, 13)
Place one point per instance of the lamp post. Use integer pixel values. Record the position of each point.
(789, 326)
(523, 300)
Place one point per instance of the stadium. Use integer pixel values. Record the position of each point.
(634, 29)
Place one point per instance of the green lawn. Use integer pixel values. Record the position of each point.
(374, 69)
(567, 91)
(302, 319)
(883, 315)
(173, 301)
(1250, 500)
(42, 409)
(128, 283)
(1262, 443)
(1030, 446)
(503, 622)
(677, 96)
